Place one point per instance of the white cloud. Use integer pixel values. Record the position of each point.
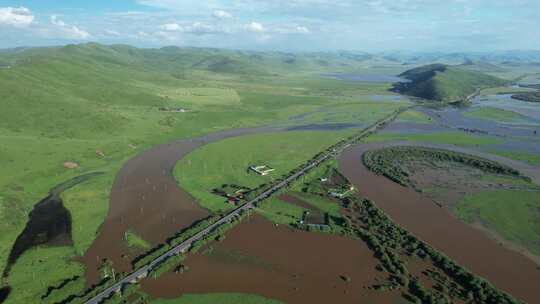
(69, 31)
(221, 14)
(16, 16)
(197, 28)
(112, 33)
(168, 36)
(56, 21)
(170, 27)
(264, 38)
(255, 27)
(302, 30)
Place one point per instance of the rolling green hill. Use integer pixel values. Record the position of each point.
(444, 83)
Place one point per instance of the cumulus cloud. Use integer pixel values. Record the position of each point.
(302, 29)
(112, 33)
(170, 27)
(69, 31)
(255, 27)
(221, 14)
(292, 29)
(197, 28)
(16, 16)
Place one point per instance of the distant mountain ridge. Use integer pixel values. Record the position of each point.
(443, 82)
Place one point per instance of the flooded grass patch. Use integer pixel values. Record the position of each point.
(222, 298)
(49, 223)
(495, 114)
(135, 241)
(400, 163)
(414, 117)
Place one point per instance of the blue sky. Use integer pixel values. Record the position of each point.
(297, 25)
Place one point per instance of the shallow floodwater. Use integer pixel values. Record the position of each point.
(377, 78)
(4, 293)
(281, 263)
(49, 223)
(453, 118)
(146, 199)
(325, 127)
(514, 137)
(397, 98)
(471, 248)
(505, 102)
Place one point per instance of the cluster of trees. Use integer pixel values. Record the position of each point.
(128, 294)
(217, 234)
(424, 295)
(391, 162)
(52, 290)
(172, 242)
(387, 240)
(89, 293)
(166, 265)
(528, 96)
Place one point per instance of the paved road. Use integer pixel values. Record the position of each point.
(185, 245)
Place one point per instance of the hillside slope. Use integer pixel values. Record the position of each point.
(444, 83)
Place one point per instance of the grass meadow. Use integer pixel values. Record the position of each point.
(514, 215)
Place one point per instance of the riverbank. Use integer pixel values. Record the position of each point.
(436, 226)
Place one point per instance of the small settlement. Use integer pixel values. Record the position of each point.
(262, 169)
(233, 193)
(173, 109)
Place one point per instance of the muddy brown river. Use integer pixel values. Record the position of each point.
(146, 199)
(470, 247)
(280, 263)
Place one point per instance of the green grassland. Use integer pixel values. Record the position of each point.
(414, 117)
(533, 159)
(281, 212)
(514, 215)
(284, 213)
(135, 241)
(505, 90)
(222, 298)
(40, 268)
(65, 103)
(495, 114)
(227, 161)
(447, 137)
(445, 83)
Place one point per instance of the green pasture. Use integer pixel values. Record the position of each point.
(414, 117)
(514, 215)
(228, 161)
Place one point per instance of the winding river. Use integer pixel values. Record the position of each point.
(507, 269)
(145, 198)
